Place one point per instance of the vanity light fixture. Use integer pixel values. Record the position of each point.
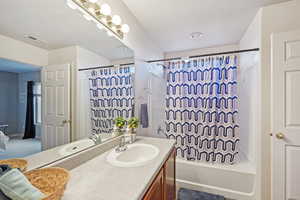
(101, 15)
(105, 9)
(93, 1)
(125, 28)
(116, 20)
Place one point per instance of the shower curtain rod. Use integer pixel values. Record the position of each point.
(205, 55)
(176, 58)
(107, 66)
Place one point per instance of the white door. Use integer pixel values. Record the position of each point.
(286, 116)
(56, 105)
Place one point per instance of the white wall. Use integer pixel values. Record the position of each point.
(22, 52)
(275, 18)
(249, 90)
(208, 50)
(86, 59)
(63, 56)
(123, 61)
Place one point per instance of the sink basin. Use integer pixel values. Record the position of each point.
(75, 147)
(136, 155)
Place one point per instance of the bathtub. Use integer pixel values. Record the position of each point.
(234, 181)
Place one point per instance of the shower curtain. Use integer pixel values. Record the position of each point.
(111, 96)
(202, 108)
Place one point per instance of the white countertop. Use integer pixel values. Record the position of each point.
(98, 180)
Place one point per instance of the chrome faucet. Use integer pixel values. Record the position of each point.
(122, 145)
(96, 138)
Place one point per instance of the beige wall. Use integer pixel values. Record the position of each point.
(249, 92)
(137, 39)
(208, 50)
(22, 52)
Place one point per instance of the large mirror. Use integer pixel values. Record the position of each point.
(63, 81)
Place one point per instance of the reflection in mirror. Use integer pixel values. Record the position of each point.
(62, 81)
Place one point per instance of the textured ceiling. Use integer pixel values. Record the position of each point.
(56, 26)
(170, 22)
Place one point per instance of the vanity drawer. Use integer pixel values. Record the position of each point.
(164, 185)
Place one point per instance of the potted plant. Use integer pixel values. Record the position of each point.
(133, 123)
(120, 122)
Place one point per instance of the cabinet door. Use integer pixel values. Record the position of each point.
(170, 178)
(155, 191)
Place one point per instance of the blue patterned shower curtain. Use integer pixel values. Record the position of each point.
(202, 108)
(111, 96)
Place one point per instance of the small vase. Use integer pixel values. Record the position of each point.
(117, 132)
(133, 138)
(132, 132)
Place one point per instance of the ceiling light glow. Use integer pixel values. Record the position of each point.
(93, 1)
(125, 28)
(116, 19)
(105, 9)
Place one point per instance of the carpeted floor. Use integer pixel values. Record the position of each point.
(18, 148)
(186, 194)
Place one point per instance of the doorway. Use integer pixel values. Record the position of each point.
(20, 109)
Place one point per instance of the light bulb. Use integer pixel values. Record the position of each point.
(116, 19)
(100, 26)
(105, 9)
(71, 4)
(93, 1)
(125, 28)
(87, 17)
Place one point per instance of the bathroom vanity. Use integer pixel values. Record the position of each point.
(164, 185)
(134, 174)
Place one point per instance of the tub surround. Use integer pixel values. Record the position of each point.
(217, 179)
(97, 179)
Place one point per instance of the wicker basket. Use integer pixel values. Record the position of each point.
(50, 181)
(15, 163)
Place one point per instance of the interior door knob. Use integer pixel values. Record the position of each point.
(66, 121)
(280, 136)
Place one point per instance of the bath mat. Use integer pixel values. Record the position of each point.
(186, 194)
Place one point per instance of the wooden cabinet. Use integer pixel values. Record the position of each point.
(156, 190)
(164, 185)
(170, 177)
